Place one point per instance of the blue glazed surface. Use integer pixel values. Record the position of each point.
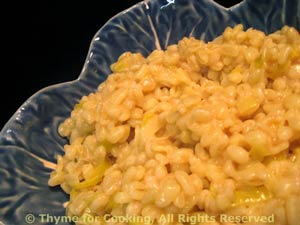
(32, 131)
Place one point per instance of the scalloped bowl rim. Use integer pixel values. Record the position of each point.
(86, 61)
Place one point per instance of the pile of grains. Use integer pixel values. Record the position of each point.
(198, 129)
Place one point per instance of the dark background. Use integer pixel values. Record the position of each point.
(48, 41)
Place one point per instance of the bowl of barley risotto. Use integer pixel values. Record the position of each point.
(185, 112)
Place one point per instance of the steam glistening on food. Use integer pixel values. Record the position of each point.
(200, 128)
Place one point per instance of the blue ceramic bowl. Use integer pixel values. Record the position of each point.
(29, 141)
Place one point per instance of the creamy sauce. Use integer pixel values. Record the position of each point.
(65, 204)
(46, 163)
